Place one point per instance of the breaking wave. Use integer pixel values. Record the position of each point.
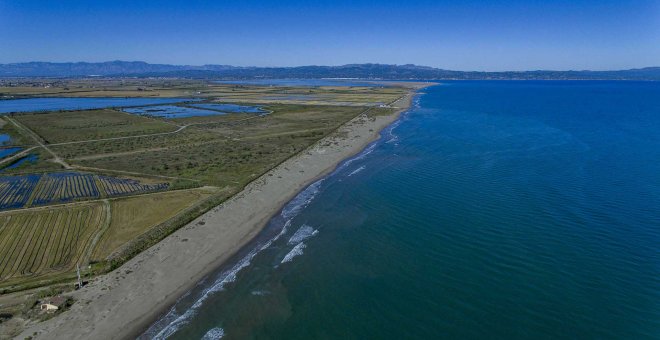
(214, 334)
(301, 200)
(297, 250)
(302, 234)
(357, 170)
(173, 321)
(369, 149)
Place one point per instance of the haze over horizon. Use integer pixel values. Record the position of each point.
(470, 36)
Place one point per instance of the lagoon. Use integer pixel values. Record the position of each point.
(55, 104)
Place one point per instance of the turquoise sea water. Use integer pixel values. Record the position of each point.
(492, 210)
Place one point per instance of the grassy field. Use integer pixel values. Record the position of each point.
(130, 219)
(233, 154)
(68, 126)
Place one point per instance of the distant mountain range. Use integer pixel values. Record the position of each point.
(368, 71)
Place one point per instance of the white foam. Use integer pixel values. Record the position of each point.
(173, 321)
(357, 170)
(214, 334)
(301, 200)
(286, 226)
(226, 277)
(297, 250)
(360, 156)
(302, 234)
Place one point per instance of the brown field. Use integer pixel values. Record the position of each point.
(42, 243)
(130, 218)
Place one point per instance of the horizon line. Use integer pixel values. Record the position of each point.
(318, 65)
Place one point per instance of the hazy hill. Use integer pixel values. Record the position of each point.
(378, 71)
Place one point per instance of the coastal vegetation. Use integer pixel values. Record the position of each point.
(102, 185)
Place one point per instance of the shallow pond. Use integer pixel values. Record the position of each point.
(54, 104)
(27, 159)
(4, 139)
(8, 151)
(171, 111)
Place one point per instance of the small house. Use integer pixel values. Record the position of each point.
(53, 304)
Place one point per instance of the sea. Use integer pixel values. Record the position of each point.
(490, 210)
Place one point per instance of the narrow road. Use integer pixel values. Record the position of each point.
(125, 137)
(36, 138)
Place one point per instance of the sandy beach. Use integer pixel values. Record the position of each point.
(124, 302)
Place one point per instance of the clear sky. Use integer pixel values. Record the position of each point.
(458, 35)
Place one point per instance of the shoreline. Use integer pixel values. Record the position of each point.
(126, 301)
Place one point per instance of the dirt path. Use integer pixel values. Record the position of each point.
(37, 139)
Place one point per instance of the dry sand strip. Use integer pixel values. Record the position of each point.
(123, 303)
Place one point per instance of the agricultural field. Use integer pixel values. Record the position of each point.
(61, 187)
(114, 186)
(16, 190)
(65, 187)
(109, 87)
(124, 181)
(42, 244)
(323, 95)
(320, 95)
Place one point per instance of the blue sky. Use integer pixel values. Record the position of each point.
(458, 35)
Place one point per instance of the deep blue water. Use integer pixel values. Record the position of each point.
(31, 158)
(301, 82)
(4, 152)
(4, 139)
(54, 104)
(492, 210)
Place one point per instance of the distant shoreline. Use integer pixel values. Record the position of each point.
(126, 301)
